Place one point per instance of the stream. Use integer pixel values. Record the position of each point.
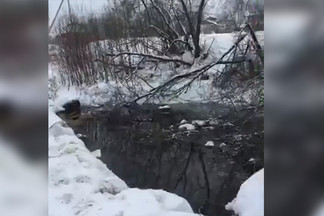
(144, 146)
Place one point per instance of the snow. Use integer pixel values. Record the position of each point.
(80, 184)
(97, 153)
(210, 143)
(214, 122)
(188, 127)
(164, 107)
(251, 160)
(228, 124)
(199, 122)
(222, 145)
(188, 57)
(250, 198)
(183, 121)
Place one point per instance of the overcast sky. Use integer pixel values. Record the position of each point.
(96, 6)
(88, 6)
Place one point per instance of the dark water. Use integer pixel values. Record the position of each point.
(144, 147)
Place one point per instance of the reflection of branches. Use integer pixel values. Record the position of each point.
(183, 173)
(159, 168)
(201, 158)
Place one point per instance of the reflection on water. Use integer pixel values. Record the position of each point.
(145, 148)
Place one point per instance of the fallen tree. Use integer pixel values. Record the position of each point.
(227, 58)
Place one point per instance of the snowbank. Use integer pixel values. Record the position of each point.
(80, 184)
(250, 198)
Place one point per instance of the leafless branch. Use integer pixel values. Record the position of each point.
(160, 58)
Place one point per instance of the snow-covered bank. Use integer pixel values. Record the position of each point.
(250, 198)
(80, 184)
(201, 90)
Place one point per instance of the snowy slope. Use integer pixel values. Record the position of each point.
(250, 198)
(80, 184)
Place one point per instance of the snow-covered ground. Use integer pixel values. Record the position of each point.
(80, 184)
(250, 198)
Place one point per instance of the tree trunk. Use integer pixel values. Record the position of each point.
(198, 29)
(195, 31)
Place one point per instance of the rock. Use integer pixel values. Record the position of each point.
(210, 144)
(214, 122)
(209, 128)
(166, 109)
(188, 127)
(72, 110)
(251, 160)
(204, 77)
(228, 124)
(222, 145)
(238, 137)
(183, 121)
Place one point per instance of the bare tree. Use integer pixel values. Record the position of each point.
(194, 30)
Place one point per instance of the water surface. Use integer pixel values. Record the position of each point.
(144, 146)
